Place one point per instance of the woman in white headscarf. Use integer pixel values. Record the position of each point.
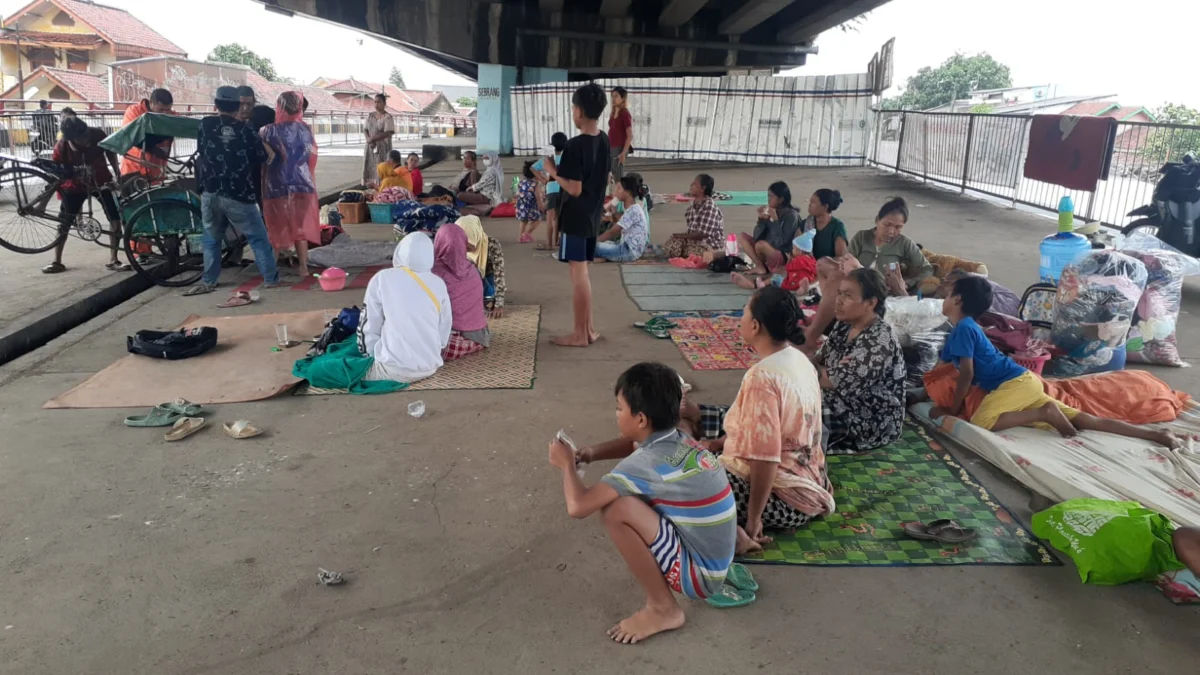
(483, 196)
(406, 318)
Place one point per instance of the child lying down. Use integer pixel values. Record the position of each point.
(1015, 397)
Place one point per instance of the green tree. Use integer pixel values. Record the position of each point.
(1170, 145)
(958, 75)
(467, 102)
(397, 78)
(236, 53)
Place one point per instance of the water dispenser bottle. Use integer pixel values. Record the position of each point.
(1064, 248)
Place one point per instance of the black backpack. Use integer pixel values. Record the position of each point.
(172, 345)
(726, 264)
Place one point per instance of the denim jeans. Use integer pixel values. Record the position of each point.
(615, 252)
(218, 212)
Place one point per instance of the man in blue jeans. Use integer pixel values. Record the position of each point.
(228, 154)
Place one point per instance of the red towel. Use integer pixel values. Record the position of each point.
(1074, 157)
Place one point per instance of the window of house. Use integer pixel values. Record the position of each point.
(77, 61)
(41, 56)
(58, 94)
(62, 19)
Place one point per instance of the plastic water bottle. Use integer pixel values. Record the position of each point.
(1064, 248)
(731, 245)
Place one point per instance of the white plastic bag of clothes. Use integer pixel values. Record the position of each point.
(1152, 336)
(1097, 297)
(911, 316)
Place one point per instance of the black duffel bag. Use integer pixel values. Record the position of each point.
(172, 345)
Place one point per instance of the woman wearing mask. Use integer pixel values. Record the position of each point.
(483, 196)
(778, 224)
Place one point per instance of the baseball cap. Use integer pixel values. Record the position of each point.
(229, 94)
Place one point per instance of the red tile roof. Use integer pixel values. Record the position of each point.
(85, 86)
(266, 92)
(424, 99)
(1127, 111)
(351, 85)
(115, 25)
(29, 37)
(1089, 108)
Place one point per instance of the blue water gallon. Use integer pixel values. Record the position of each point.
(1060, 250)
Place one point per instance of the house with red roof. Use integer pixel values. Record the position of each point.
(359, 95)
(63, 48)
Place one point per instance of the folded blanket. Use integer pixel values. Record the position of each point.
(1133, 396)
(342, 366)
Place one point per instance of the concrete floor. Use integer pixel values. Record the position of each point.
(125, 554)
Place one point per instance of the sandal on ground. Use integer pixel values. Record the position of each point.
(157, 417)
(740, 578)
(181, 406)
(199, 289)
(729, 597)
(525, 239)
(240, 299)
(241, 429)
(943, 531)
(118, 266)
(54, 268)
(184, 427)
(656, 322)
(543, 247)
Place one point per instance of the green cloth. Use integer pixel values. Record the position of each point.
(824, 244)
(342, 366)
(1111, 542)
(133, 135)
(743, 198)
(901, 250)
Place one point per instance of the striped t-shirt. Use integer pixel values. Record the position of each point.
(685, 484)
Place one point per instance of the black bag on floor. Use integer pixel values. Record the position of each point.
(172, 345)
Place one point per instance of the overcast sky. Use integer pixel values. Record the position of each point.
(1127, 50)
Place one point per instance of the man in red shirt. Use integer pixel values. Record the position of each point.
(90, 171)
(148, 164)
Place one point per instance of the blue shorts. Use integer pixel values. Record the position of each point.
(576, 249)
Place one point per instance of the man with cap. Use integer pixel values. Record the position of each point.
(89, 170)
(228, 154)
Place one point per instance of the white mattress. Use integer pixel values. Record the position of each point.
(1093, 464)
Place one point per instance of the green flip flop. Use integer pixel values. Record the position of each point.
(158, 417)
(656, 322)
(740, 578)
(729, 597)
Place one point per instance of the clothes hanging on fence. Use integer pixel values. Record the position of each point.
(1071, 151)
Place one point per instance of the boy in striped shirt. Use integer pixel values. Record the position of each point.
(667, 505)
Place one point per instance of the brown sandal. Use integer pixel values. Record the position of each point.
(943, 531)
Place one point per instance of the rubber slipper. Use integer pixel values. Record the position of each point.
(740, 578)
(158, 417)
(242, 429)
(199, 289)
(54, 268)
(184, 427)
(241, 299)
(181, 406)
(942, 531)
(660, 333)
(656, 322)
(118, 267)
(729, 597)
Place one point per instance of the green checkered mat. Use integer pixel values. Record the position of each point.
(912, 479)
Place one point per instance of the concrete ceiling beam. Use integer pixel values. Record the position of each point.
(551, 5)
(750, 14)
(679, 12)
(827, 16)
(611, 9)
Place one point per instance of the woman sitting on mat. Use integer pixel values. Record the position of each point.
(831, 240)
(485, 195)
(861, 369)
(884, 248)
(778, 223)
(486, 254)
(406, 318)
(465, 286)
(394, 172)
(770, 438)
(705, 222)
(631, 228)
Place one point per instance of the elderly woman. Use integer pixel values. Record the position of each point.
(379, 130)
(770, 438)
(485, 195)
(705, 222)
(289, 201)
(406, 318)
(465, 286)
(886, 249)
(778, 224)
(861, 369)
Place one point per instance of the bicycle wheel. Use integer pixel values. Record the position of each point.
(172, 257)
(1147, 225)
(30, 217)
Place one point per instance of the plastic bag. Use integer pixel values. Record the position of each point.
(1152, 336)
(1094, 308)
(1111, 542)
(921, 355)
(911, 316)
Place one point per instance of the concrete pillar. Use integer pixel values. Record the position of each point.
(494, 123)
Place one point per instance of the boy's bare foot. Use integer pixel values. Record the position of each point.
(646, 622)
(1054, 417)
(744, 543)
(593, 336)
(571, 340)
(1168, 440)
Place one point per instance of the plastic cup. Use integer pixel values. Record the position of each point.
(281, 333)
(416, 409)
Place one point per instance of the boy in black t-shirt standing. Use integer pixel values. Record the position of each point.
(583, 176)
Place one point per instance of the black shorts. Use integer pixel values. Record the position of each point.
(572, 248)
(72, 205)
(553, 200)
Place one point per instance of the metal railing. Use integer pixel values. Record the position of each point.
(26, 134)
(985, 154)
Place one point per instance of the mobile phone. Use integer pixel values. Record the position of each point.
(563, 438)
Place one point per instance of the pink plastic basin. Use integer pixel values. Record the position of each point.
(333, 279)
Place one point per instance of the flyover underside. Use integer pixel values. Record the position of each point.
(590, 37)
